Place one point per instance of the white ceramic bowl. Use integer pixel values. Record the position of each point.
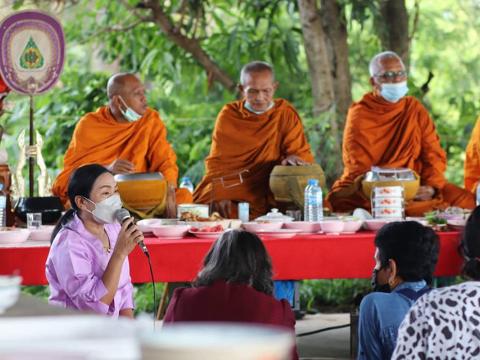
(14, 236)
(332, 226)
(457, 224)
(420, 220)
(198, 224)
(146, 225)
(217, 341)
(43, 233)
(9, 291)
(375, 224)
(303, 226)
(170, 231)
(254, 226)
(351, 226)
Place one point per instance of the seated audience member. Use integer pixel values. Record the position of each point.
(444, 324)
(235, 285)
(87, 267)
(405, 257)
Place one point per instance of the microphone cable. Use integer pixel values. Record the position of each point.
(152, 277)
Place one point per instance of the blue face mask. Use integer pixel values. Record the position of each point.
(394, 92)
(129, 114)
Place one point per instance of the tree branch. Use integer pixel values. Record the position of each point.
(191, 46)
(415, 21)
(113, 29)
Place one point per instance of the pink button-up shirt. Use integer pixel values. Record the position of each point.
(75, 267)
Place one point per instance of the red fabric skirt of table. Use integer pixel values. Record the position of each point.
(301, 257)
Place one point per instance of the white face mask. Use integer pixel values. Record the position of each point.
(104, 212)
(250, 108)
(129, 114)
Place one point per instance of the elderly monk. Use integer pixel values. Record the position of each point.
(126, 136)
(472, 160)
(388, 129)
(251, 136)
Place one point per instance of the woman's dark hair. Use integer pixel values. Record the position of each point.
(80, 184)
(414, 248)
(470, 246)
(238, 257)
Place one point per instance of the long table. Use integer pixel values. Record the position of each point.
(302, 257)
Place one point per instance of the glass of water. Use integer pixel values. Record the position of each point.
(34, 220)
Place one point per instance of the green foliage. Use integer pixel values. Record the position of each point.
(142, 295)
(334, 294)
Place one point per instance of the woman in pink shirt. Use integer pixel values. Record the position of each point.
(87, 267)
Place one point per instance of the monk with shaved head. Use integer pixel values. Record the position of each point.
(126, 136)
(251, 136)
(388, 129)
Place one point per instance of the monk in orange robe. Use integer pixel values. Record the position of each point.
(388, 129)
(251, 136)
(472, 160)
(126, 136)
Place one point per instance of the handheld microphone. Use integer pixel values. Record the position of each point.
(122, 215)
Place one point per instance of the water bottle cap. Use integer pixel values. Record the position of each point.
(312, 182)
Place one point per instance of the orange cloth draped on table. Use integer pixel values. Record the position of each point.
(472, 160)
(379, 133)
(245, 141)
(99, 138)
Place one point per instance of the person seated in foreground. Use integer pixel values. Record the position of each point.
(234, 285)
(126, 136)
(87, 267)
(405, 258)
(444, 324)
(390, 130)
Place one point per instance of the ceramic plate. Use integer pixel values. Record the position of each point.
(206, 234)
(279, 234)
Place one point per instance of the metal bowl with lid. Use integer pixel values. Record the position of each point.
(404, 177)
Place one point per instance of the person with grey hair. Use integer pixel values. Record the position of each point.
(251, 136)
(388, 129)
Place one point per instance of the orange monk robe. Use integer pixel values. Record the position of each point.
(472, 160)
(379, 133)
(245, 141)
(99, 138)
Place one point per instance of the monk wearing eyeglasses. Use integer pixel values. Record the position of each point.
(388, 129)
(250, 137)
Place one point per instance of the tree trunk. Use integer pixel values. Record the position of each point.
(393, 29)
(192, 46)
(335, 26)
(322, 80)
(317, 57)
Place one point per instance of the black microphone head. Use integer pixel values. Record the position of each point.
(121, 215)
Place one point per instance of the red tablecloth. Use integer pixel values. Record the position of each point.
(302, 257)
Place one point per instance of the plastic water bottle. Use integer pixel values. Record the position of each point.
(478, 195)
(186, 183)
(313, 201)
(3, 207)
